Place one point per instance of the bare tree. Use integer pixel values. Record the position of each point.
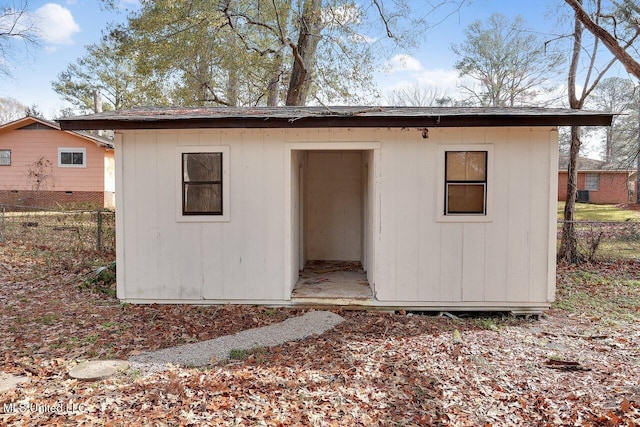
(15, 27)
(578, 95)
(618, 96)
(11, 109)
(419, 96)
(511, 65)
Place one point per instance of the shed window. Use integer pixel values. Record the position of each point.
(465, 183)
(202, 184)
(5, 157)
(72, 157)
(592, 181)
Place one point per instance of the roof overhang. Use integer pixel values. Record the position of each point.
(333, 117)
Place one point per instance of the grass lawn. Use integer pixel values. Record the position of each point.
(591, 212)
(619, 238)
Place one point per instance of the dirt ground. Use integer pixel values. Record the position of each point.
(578, 365)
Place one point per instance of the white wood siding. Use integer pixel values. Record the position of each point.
(333, 228)
(412, 258)
(168, 260)
(470, 263)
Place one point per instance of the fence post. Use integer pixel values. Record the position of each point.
(2, 238)
(99, 237)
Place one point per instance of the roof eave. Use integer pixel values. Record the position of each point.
(335, 122)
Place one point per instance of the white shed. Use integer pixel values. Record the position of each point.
(418, 208)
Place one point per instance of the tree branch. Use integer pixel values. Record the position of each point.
(384, 19)
(631, 65)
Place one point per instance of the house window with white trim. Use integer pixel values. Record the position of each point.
(72, 157)
(592, 182)
(465, 183)
(5, 157)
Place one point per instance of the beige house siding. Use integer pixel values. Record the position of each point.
(412, 255)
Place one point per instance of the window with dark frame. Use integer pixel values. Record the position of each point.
(465, 183)
(5, 157)
(202, 184)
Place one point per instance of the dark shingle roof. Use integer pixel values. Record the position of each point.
(309, 117)
(587, 164)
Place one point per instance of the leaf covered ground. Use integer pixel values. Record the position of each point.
(578, 365)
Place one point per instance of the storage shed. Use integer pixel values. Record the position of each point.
(418, 208)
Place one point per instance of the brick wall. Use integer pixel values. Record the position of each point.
(613, 187)
(54, 199)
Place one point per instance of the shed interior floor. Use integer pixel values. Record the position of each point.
(332, 280)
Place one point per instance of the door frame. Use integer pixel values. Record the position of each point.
(292, 237)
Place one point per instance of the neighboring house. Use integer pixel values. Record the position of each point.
(598, 182)
(445, 208)
(42, 165)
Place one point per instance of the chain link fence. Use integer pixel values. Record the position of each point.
(95, 230)
(606, 240)
(58, 230)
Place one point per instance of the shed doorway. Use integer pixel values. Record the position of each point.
(333, 226)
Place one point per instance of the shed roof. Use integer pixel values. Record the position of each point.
(322, 117)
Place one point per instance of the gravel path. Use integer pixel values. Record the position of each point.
(217, 349)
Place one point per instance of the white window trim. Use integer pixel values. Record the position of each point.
(586, 181)
(226, 207)
(72, 150)
(9, 151)
(440, 192)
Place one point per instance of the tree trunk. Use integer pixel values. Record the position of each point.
(304, 52)
(232, 91)
(608, 155)
(273, 90)
(232, 87)
(569, 244)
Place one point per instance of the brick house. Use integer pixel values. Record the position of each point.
(598, 182)
(42, 165)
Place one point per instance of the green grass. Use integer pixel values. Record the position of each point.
(48, 319)
(603, 292)
(591, 212)
(256, 354)
(619, 241)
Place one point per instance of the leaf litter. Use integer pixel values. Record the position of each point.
(374, 369)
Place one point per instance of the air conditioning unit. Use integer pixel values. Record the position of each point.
(583, 196)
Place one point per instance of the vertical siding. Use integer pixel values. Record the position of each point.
(501, 260)
(428, 231)
(520, 214)
(410, 254)
(333, 228)
(407, 195)
(147, 230)
(239, 259)
(496, 247)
